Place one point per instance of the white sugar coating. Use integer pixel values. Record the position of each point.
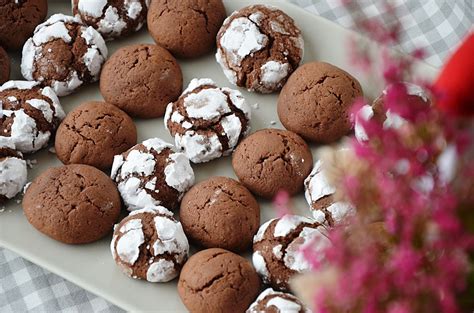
(278, 28)
(277, 300)
(415, 90)
(288, 223)
(230, 74)
(447, 163)
(44, 107)
(134, 196)
(176, 117)
(58, 109)
(161, 271)
(116, 165)
(58, 18)
(277, 251)
(171, 238)
(151, 185)
(134, 8)
(96, 53)
(153, 209)
(232, 128)
(179, 173)
(241, 39)
(365, 113)
(284, 305)
(28, 58)
(198, 82)
(167, 116)
(128, 245)
(112, 24)
(18, 84)
(340, 211)
(199, 148)
(294, 257)
(13, 175)
(92, 8)
(261, 231)
(316, 184)
(156, 144)
(51, 32)
(24, 133)
(238, 100)
(64, 88)
(319, 216)
(260, 265)
(273, 74)
(138, 162)
(207, 104)
(256, 17)
(393, 120)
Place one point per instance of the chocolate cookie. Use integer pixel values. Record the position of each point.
(271, 160)
(141, 80)
(30, 115)
(150, 244)
(186, 28)
(93, 134)
(271, 301)
(64, 54)
(112, 18)
(18, 19)
(4, 66)
(152, 173)
(73, 204)
(258, 47)
(277, 246)
(316, 101)
(319, 194)
(415, 96)
(216, 280)
(13, 172)
(220, 213)
(207, 122)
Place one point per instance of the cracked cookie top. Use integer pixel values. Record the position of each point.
(13, 172)
(18, 19)
(207, 122)
(316, 102)
(271, 301)
(4, 66)
(220, 213)
(93, 133)
(187, 28)
(150, 244)
(152, 173)
(112, 18)
(258, 47)
(63, 54)
(29, 115)
(73, 204)
(271, 160)
(277, 248)
(141, 80)
(216, 280)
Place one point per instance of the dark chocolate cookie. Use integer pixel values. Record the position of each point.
(4, 66)
(271, 301)
(73, 204)
(141, 80)
(93, 134)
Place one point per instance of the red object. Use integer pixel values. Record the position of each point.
(455, 84)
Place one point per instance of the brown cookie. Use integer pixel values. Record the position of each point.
(4, 66)
(187, 28)
(73, 204)
(271, 160)
(93, 134)
(277, 254)
(316, 101)
(271, 301)
(258, 47)
(216, 280)
(18, 19)
(150, 244)
(141, 80)
(112, 18)
(220, 213)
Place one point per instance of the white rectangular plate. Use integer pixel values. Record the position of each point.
(91, 266)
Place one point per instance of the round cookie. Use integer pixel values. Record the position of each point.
(4, 66)
(415, 96)
(220, 213)
(216, 280)
(112, 18)
(271, 160)
(141, 80)
(18, 19)
(187, 28)
(13, 172)
(93, 133)
(277, 254)
(73, 204)
(30, 115)
(63, 54)
(319, 194)
(150, 244)
(316, 102)
(207, 122)
(258, 47)
(271, 301)
(151, 174)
